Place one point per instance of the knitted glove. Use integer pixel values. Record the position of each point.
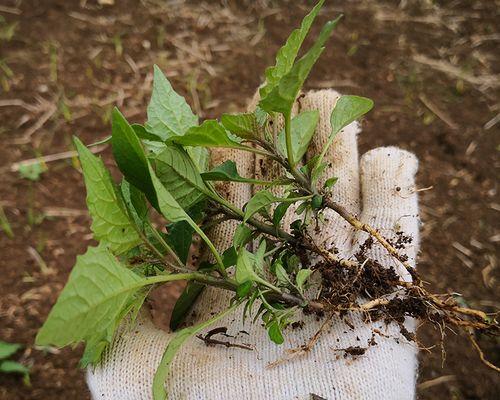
(387, 370)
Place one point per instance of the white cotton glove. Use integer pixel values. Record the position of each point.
(388, 202)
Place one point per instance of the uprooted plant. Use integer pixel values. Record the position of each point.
(164, 166)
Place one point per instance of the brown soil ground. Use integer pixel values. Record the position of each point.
(71, 61)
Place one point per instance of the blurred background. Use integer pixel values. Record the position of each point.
(432, 68)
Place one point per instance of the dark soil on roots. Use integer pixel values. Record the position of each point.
(431, 70)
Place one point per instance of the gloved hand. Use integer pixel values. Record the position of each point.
(379, 189)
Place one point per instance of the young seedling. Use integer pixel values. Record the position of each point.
(164, 166)
(8, 366)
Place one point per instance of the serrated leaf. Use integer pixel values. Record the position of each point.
(110, 222)
(348, 109)
(173, 347)
(168, 112)
(184, 303)
(209, 134)
(168, 115)
(178, 173)
(227, 171)
(302, 130)
(8, 349)
(133, 163)
(167, 204)
(242, 236)
(173, 212)
(242, 125)
(130, 158)
(281, 97)
(288, 52)
(98, 289)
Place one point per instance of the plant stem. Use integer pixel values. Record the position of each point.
(194, 276)
(220, 264)
(325, 149)
(256, 151)
(356, 223)
(288, 138)
(165, 245)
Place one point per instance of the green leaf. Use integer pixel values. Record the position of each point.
(261, 116)
(301, 278)
(209, 134)
(281, 275)
(302, 130)
(244, 267)
(178, 173)
(133, 163)
(32, 171)
(230, 257)
(279, 212)
(259, 201)
(348, 109)
(136, 204)
(173, 347)
(288, 52)
(173, 212)
(180, 238)
(242, 236)
(330, 182)
(89, 307)
(143, 134)
(274, 332)
(265, 198)
(316, 202)
(301, 208)
(227, 171)
(4, 224)
(13, 367)
(318, 171)
(242, 125)
(184, 303)
(281, 97)
(259, 258)
(130, 158)
(168, 112)
(200, 157)
(243, 289)
(110, 222)
(8, 349)
(93, 351)
(167, 204)
(169, 115)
